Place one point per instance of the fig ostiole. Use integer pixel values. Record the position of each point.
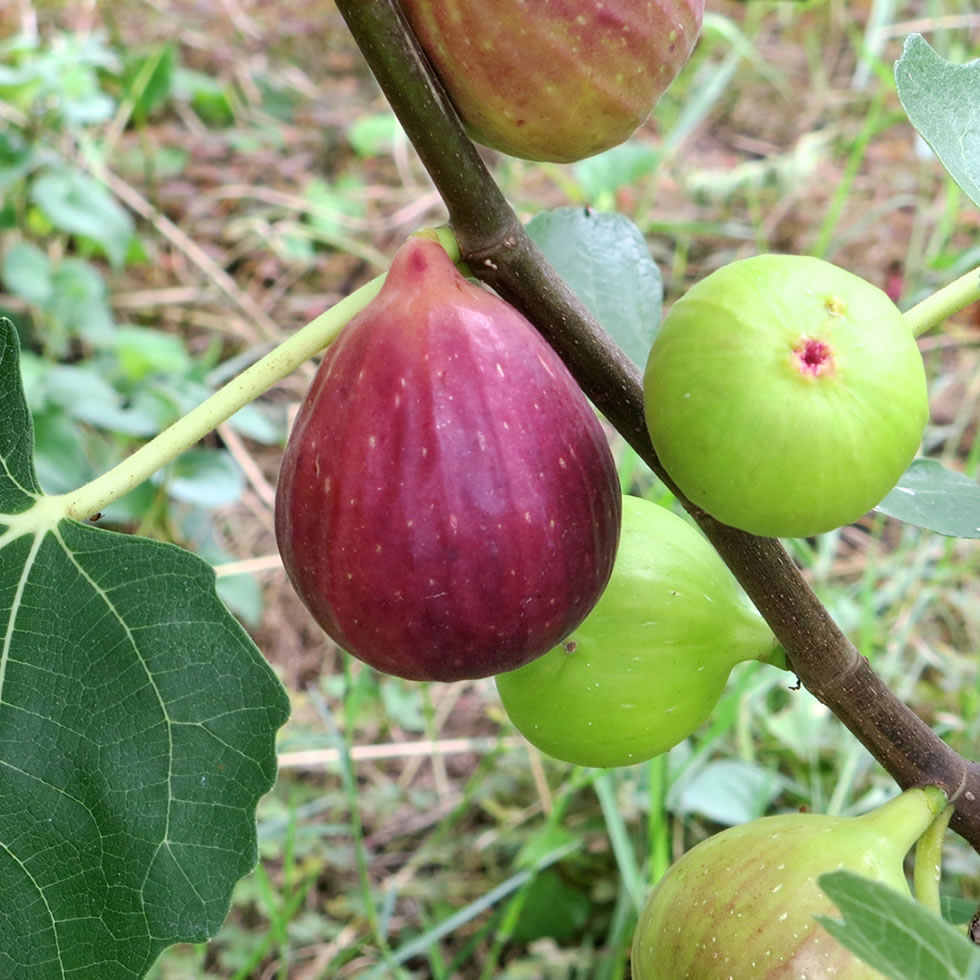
(555, 81)
(648, 664)
(448, 506)
(785, 396)
(742, 903)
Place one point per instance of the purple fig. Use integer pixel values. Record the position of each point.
(448, 506)
(555, 79)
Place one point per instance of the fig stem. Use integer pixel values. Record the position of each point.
(929, 861)
(498, 251)
(944, 303)
(95, 496)
(906, 817)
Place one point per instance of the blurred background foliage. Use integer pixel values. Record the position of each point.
(183, 183)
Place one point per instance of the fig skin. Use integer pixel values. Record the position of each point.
(448, 507)
(555, 80)
(741, 903)
(785, 396)
(647, 666)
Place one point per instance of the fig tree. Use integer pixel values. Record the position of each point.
(784, 395)
(555, 79)
(648, 664)
(448, 506)
(742, 903)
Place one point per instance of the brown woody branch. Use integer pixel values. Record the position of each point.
(498, 251)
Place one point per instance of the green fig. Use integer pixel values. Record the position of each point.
(555, 80)
(741, 905)
(448, 506)
(785, 396)
(646, 667)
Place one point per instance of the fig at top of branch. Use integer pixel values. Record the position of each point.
(555, 81)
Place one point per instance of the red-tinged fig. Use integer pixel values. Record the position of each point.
(555, 79)
(741, 904)
(448, 506)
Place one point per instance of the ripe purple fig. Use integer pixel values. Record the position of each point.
(741, 904)
(555, 79)
(448, 506)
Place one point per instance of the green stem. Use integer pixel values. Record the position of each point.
(929, 861)
(185, 432)
(944, 303)
(658, 820)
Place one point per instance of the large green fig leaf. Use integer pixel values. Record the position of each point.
(895, 934)
(606, 262)
(137, 728)
(942, 100)
(929, 495)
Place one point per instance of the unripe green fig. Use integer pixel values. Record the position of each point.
(785, 396)
(741, 904)
(555, 80)
(648, 664)
(448, 506)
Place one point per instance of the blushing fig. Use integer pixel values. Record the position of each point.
(448, 506)
(646, 667)
(785, 396)
(742, 903)
(555, 80)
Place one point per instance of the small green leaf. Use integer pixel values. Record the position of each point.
(374, 134)
(328, 206)
(80, 205)
(895, 934)
(242, 594)
(265, 423)
(79, 302)
(209, 97)
(148, 79)
(605, 260)
(17, 158)
(600, 176)
(552, 907)
(959, 911)
(26, 272)
(84, 394)
(728, 792)
(548, 839)
(62, 455)
(206, 478)
(929, 495)
(143, 351)
(941, 101)
(402, 703)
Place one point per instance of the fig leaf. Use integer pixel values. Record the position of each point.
(894, 933)
(931, 496)
(940, 98)
(137, 733)
(605, 260)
